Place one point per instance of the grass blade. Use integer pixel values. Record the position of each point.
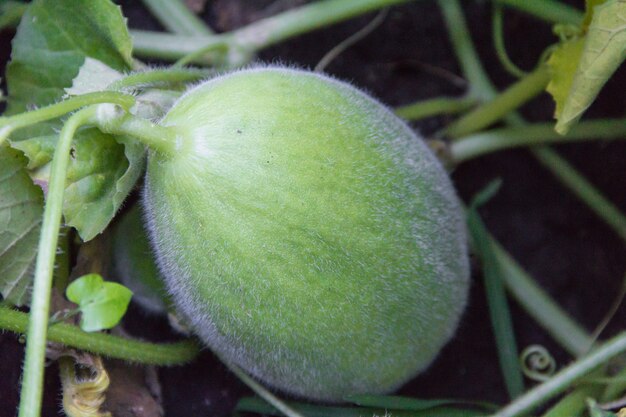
(496, 298)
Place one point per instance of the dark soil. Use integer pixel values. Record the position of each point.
(573, 254)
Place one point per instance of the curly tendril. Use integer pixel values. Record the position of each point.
(537, 363)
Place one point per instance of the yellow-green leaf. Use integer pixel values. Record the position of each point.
(101, 303)
(589, 7)
(604, 51)
(562, 64)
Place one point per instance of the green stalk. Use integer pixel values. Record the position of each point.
(32, 383)
(62, 262)
(538, 304)
(215, 54)
(167, 76)
(563, 379)
(494, 140)
(513, 97)
(582, 188)
(11, 123)
(167, 46)
(460, 37)
(531, 296)
(435, 107)
(498, 306)
(615, 388)
(262, 392)
(551, 11)
(497, 33)
(163, 139)
(351, 40)
(573, 404)
(319, 14)
(106, 344)
(177, 18)
(246, 41)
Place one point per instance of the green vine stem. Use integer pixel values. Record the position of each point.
(11, 123)
(215, 54)
(246, 41)
(106, 344)
(615, 388)
(494, 140)
(261, 391)
(32, 383)
(504, 103)
(538, 304)
(167, 46)
(435, 107)
(163, 139)
(351, 40)
(176, 17)
(62, 262)
(551, 11)
(573, 404)
(499, 45)
(563, 379)
(499, 311)
(582, 188)
(166, 77)
(480, 86)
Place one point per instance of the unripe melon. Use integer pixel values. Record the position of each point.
(134, 265)
(306, 233)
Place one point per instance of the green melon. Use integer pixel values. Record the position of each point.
(306, 233)
(134, 265)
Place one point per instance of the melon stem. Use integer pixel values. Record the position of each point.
(166, 140)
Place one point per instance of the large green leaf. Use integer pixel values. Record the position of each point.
(603, 53)
(21, 209)
(38, 150)
(52, 42)
(55, 39)
(11, 12)
(101, 175)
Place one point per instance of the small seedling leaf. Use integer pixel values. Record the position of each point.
(604, 51)
(21, 210)
(102, 304)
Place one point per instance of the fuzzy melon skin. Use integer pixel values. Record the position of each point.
(307, 234)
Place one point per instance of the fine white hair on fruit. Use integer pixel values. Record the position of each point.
(306, 233)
